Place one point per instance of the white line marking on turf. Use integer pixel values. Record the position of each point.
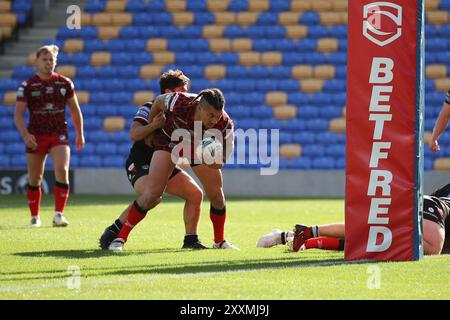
(175, 276)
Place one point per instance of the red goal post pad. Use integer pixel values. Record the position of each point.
(384, 128)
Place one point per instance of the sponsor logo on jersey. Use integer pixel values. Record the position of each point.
(35, 93)
(20, 93)
(62, 137)
(49, 90)
(63, 91)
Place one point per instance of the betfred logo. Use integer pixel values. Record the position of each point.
(382, 22)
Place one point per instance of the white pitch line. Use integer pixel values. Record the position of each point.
(173, 276)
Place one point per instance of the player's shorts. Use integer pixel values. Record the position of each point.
(46, 142)
(432, 212)
(137, 167)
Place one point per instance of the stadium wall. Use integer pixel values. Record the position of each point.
(248, 183)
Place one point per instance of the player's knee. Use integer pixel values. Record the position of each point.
(433, 250)
(217, 199)
(150, 200)
(195, 196)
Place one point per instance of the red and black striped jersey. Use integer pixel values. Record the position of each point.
(46, 101)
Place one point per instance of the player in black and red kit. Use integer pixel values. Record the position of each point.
(436, 230)
(179, 184)
(185, 112)
(46, 95)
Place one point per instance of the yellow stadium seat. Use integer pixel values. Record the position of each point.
(344, 111)
(276, 98)
(290, 151)
(150, 71)
(115, 6)
(102, 19)
(157, 45)
(344, 17)
(141, 97)
(301, 5)
(249, 58)
(86, 19)
(122, 19)
(289, 18)
(219, 45)
(437, 17)
(215, 71)
(6, 32)
(436, 71)
(164, 57)
(324, 72)
(442, 164)
(311, 85)
(258, 5)
(337, 125)
(100, 58)
(108, 32)
(321, 5)
(69, 71)
(330, 18)
(213, 31)
(242, 45)
(176, 5)
(285, 112)
(8, 20)
(442, 85)
(31, 60)
(340, 5)
(9, 98)
(271, 58)
(327, 45)
(83, 97)
(427, 137)
(5, 6)
(432, 5)
(183, 18)
(302, 71)
(296, 32)
(114, 123)
(224, 18)
(247, 18)
(217, 6)
(73, 45)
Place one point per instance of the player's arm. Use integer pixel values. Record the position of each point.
(140, 130)
(19, 121)
(77, 119)
(441, 124)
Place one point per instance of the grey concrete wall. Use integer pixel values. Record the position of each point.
(287, 183)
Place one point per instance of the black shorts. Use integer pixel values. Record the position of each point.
(432, 212)
(137, 167)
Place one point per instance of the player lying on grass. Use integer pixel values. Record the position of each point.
(436, 233)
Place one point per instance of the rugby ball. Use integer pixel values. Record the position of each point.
(210, 151)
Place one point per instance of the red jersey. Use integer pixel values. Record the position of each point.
(179, 109)
(46, 101)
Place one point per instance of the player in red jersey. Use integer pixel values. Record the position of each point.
(436, 233)
(180, 184)
(45, 95)
(185, 112)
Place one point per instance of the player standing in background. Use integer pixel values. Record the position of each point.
(180, 184)
(436, 230)
(182, 111)
(45, 95)
(441, 124)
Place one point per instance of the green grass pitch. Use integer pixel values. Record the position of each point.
(36, 263)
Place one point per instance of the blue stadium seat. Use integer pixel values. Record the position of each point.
(431, 31)
(123, 148)
(9, 85)
(199, 85)
(161, 18)
(310, 18)
(262, 112)
(317, 124)
(90, 161)
(330, 111)
(129, 32)
(156, 6)
(192, 32)
(92, 84)
(99, 98)
(249, 85)
(265, 85)
(298, 98)
(185, 58)
(238, 5)
(113, 161)
(129, 72)
(98, 136)
(335, 151)
(93, 45)
(234, 31)
(337, 58)
(121, 58)
(107, 72)
(280, 72)
(247, 123)
(120, 137)
(318, 31)
(204, 18)
(198, 45)
(88, 110)
(10, 136)
(267, 19)
(307, 112)
(136, 85)
(142, 19)
(262, 45)
(115, 45)
(114, 84)
(285, 138)
(339, 31)
(313, 150)
(341, 72)
(304, 163)
(7, 122)
(93, 6)
(22, 73)
(236, 72)
(253, 98)
(172, 32)
(286, 45)
(81, 59)
(324, 163)
(435, 44)
(89, 149)
(135, 6)
(4, 161)
(238, 112)
(103, 149)
(315, 58)
(148, 31)
(307, 45)
(335, 85)
(339, 99)
(93, 123)
(179, 46)
(88, 33)
(15, 148)
(121, 98)
(278, 6)
(197, 6)
(226, 85)
(271, 124)
(292, 58)
(18, 161)
(339, 163)
(295, 125)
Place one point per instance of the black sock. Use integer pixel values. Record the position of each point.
(191, 238)
(116, 226)
(341, 244)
